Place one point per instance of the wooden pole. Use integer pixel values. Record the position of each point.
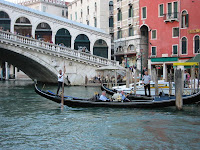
(192, 79)
(178, 89)
(135, 80)
(155, 76)
(127, 77)
(62, 98)
(115, 77)
(198, 77)
(170, 82)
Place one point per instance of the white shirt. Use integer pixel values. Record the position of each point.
(60, 77)
(103, 98)
(146, 79)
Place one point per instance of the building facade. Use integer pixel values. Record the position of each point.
(95, 13)
(127, 32)
(170, 32)
(55, 7)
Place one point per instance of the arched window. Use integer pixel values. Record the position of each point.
(95, 21)
(81, 13)
(111, 5)
(95, 6)
(196, 44)
(130, 14)
(184, 19)
(119, 15)
(184, 45)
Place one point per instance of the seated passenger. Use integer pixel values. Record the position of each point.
(124, 99)
(103, 97)
(116, 96)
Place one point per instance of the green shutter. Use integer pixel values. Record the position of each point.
(187, 20)
(161, 10)
(144, 11)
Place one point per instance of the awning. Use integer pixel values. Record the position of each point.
(195, 59)
(164, 59)
(186, 64)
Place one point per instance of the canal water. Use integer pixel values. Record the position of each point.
(31, 122)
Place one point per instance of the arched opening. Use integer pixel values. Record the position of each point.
(23, 26)
(184, 45)
(4, 21)
(184, 19)
(63, 37)
(100, 48)
(82, 43)
(196, 44)
(43, 32)
(144, 47)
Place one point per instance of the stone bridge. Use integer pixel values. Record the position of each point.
(42, 60)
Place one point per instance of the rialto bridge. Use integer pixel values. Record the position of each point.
(40, 44)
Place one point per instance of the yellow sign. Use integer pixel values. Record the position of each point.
(194, 31)
(185, 64)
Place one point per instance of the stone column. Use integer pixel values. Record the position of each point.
(7, 71)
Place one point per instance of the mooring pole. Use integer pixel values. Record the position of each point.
(192, 79)
(198, 77)
(127, 77)
(155, 76)
(178, 89)
(170, 83)
(135, 79)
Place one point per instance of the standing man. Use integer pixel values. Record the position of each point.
(60, 79)
(146, 81)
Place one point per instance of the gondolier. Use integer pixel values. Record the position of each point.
(60, 79)
(146, 81)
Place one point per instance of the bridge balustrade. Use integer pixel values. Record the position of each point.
(45, 46)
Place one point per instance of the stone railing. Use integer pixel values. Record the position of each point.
(65, 52)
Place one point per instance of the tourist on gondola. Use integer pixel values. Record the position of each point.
(103, 97)
(123, 97)
(146, 81)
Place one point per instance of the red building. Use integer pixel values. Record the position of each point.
(170, 32)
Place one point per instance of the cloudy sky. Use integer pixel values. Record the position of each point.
(18, 1)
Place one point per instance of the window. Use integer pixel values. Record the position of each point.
(111, 5)
(184, 45)
(81, 1)
(88, 23)
(81, 13)
(184, 19)
(172, 10)
(76, 15)
(144, 12)
(44, 9)
(95, 6)
(175, 9)
(153, 34)
(175, 32)
(131, 31)
(130, 11)
(95, 21)
(119, 34)
(161, 10)
(88, 10)
(111, 22)
(174, 49)
(119, 15)
(63, 13)
(196, 44)
(153, 51)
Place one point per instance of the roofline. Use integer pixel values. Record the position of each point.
(81, 25)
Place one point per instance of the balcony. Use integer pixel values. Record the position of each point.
(119, 5)
(130, 21)
(170, 17)
(111, 30)
(110, 12)
(119, 24)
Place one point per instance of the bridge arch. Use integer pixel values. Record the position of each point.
(33, 66)
(63, 36)
(82, 43)
(4, 20)
(23, 26)
(100, 48)
(43, 32)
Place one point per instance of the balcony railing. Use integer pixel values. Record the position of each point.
(110, 12)
(169, 17)
(111, 29)
(130, 21)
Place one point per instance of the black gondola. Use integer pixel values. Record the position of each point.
(80, 102)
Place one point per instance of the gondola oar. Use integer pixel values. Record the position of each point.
(62, 98)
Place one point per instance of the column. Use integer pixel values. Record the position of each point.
(164, 72)
(7, 71)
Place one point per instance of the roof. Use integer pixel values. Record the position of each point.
(195, 58)
(52, 16)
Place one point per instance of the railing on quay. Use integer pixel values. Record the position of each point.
(49, 47)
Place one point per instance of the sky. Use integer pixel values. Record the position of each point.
(15, 1)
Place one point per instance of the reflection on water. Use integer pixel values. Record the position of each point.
(29, 121)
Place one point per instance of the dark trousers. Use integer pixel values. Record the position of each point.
(59, 86)
(147, 86)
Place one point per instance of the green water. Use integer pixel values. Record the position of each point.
(30, 122)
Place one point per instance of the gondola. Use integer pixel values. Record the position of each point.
(93, 102)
